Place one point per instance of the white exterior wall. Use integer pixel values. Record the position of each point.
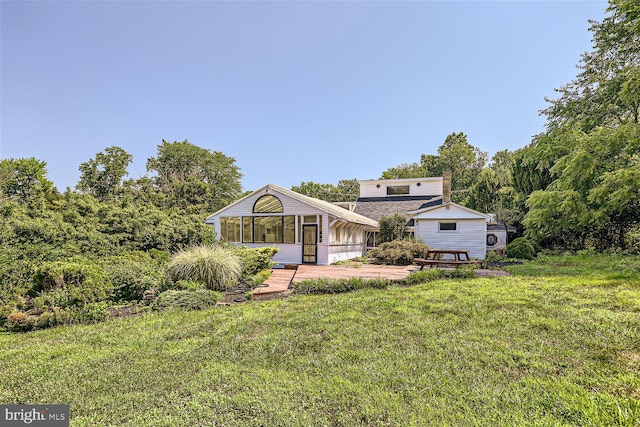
(427, 187)
(471, 236)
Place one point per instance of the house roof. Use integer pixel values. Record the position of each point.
(377, 207)
(322, 205)
(443, 205)
(501, 227)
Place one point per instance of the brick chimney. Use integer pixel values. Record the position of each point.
(446, 186)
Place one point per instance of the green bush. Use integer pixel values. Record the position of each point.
(398, 252)
(255, 260)
(21, 321)
(133, 273)
(259, 278)
(520, 248)
(187, 300)
(217, 267)
(75, 282)
(393, 227)
(334, 286)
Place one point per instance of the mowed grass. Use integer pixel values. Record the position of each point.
(546, 347)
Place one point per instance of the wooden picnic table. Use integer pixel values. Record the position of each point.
(440, 257)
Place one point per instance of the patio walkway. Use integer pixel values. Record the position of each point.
(281, 278)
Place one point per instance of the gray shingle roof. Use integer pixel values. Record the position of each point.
(377, 207)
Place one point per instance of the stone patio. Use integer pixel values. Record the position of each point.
(280, 278)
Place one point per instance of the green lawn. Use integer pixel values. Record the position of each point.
(556, 344)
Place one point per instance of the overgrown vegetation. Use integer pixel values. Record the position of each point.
(556, 344)
(398, 252)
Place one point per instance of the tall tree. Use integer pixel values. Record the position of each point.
(456, 154)
(607, 90)
(25, 180)
(582, 172)
(347, 190)
(194, 177)
(102, 177)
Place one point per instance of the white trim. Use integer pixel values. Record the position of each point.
(446, 206)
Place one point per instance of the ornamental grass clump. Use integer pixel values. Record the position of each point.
(217, 267)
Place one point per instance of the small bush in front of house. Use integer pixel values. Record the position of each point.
(393, 227)
(335, 286)
(255, 260)
(216, 266)
(187, 300)
(398, 252)
(520, 248)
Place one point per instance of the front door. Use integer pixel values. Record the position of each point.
(310, 244)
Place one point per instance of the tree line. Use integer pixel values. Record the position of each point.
(577, 184)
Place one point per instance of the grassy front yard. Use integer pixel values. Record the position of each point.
(556, 344)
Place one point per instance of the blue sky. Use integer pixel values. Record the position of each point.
(294, 91)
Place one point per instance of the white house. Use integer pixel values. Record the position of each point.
(305, 229)
(452, 226)
(431, 216)
(309, 230)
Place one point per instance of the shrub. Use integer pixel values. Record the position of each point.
(393, 227)
(334, 286)
(187, 300)
(133, 273)
(217, 267)
(258, 279)
(76, 282)
(255, 260)
(398, 252)
(520, 248)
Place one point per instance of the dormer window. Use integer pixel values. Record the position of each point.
(397, 190)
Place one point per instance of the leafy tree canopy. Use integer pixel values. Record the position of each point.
(102, 177)
(456, 154)
(25, 180)
(193, 176)
(347, 190)
(582, 173)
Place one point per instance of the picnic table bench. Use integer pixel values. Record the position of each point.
(436, 257)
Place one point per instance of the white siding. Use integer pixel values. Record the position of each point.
(427, 187)
(470, 235)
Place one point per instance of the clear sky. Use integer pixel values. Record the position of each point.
(294, 91)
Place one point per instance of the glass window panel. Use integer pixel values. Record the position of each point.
(393, 190)
(448, 226)
(268, 204)
(267, 229)
(289, 229)
(247, 229)
(310, 219)
(230, 228)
